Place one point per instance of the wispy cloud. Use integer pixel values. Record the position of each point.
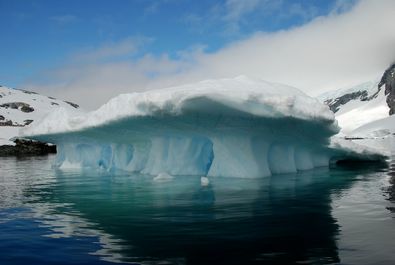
(326, 53)
(64, 19)
(343, 6)
(306, 13)
(231, 16)
(112, 50)
(154, 6)
(235, 10)
(22, 15)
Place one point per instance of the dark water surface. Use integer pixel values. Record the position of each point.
(343, 215)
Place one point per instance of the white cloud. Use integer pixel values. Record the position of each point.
(229, 16)
(343, 5)
(113, 50)
(326, 53)
(154, 6)
(237, 9)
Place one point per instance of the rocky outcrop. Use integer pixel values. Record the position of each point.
(388, 81)
(6, 123)
(20, 108)
(18, 105)
(27, 122)
(27, 148)
(72, 104)
(334, 104)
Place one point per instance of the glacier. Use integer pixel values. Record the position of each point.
(235, 127)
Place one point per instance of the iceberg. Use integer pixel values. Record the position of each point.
(236, 127)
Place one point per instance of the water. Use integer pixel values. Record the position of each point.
(343, 215)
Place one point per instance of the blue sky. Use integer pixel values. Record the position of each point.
(40, 35)
(98, 49)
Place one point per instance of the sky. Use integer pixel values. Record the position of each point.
(89, 51)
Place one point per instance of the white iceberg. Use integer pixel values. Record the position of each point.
(237, 127)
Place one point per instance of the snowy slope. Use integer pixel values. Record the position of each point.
(357, 105)
(19, 108)
(378, 128)
(239, 127)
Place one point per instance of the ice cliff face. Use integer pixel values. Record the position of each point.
(229, 127)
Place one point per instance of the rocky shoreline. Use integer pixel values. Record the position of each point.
(25, 147)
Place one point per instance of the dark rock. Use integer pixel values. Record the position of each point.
(27, 109)
(353, 138)
(6, 123)
(334, 104)
(2, 118)
(388, 80)
(11, 105)
(16, 105)
(24, 147)
(27, 122)
(27, 92)
(54, 103)
(72, 104)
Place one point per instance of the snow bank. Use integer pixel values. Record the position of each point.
(379, 134)
(378, 128)
(229, 127)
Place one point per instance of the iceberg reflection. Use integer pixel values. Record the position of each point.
(283, 218)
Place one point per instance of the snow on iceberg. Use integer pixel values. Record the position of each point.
(237, 127)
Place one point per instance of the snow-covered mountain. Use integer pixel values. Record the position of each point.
(362, 104)
(20, 108)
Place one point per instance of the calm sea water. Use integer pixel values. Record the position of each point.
(341, 215)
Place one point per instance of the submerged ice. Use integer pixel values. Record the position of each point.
(237, 127)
